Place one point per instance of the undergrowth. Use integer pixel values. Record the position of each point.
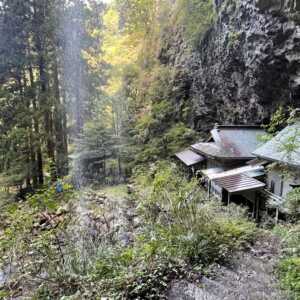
(289, 265)
(182, 233)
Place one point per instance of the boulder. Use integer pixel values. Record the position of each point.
(184, 290)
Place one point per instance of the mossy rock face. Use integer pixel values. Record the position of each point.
(256, 39)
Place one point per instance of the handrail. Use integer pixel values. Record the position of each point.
(274, 201)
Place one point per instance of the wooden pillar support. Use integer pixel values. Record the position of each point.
(277, 215)
(228, 199)
(257, 204)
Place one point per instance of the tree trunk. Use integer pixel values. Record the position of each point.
(31, 157)
(22, 82)
(119, 166)
(33, 161)
(58, 125)
(65, 136)
(36, 141)
(39, 11)
(45, 107)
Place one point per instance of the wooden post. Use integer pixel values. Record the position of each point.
(209, 186)
(257, 203)
(277, 214)
(229, 195)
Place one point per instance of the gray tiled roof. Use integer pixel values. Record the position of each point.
(189, 157)
(231, 142)
(240, 141)
(211, 149)
(277, 148)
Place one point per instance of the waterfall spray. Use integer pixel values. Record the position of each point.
(72, 23)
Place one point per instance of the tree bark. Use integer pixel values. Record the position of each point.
(37, 156)
(45, 107)
(58, 125)
(40, 15)
(21, 79)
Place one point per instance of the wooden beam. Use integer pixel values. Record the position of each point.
(277, 215)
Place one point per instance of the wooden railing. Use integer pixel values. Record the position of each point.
(274, 201)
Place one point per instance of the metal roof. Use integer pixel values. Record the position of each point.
(231, 142)
(276, 148)
(238, 183)
(189, 157)
(238, 126)
(251, 171)
(211, 172)
(210, 150)
(239, 141)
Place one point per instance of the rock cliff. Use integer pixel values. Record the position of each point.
(245, 65)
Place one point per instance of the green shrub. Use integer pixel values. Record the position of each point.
(152, 282)
(293, 203)
(183, 223)
(182, 231)
(178, 137)
(289, 266)
(289, 271)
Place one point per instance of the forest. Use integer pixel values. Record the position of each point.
(100, 101)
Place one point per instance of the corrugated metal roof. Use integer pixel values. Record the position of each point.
(211, 172)
(189, 157)
(248, 170)
(238, 183)
(231, 142)
(276, 148)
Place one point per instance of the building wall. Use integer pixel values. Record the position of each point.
(228, 165)
(212, 163)
(216, 190)
(278, 185)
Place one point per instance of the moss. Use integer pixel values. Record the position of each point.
(196, 16)
(233, 38)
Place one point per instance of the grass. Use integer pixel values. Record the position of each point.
(117, 191)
